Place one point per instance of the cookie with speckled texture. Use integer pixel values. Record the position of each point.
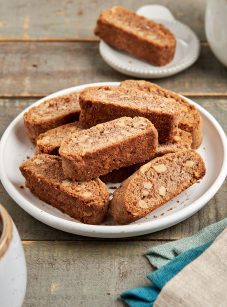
(154, 184)
(84, 201)
(137, 35)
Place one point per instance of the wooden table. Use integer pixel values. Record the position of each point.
(46, 46)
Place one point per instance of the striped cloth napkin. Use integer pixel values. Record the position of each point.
(201, 283)
(170, 259)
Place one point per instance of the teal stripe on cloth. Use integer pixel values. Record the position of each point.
(140, 297)
(160, 277)
(171, 258)
(162, 254)
(146, 296)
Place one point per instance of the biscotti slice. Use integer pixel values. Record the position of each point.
(137, 35)
(189, 117)
(102, 104)
(105, 147)
(85, 201)
(50, 141)
(182, 141)
(51, 114)
(154, 184)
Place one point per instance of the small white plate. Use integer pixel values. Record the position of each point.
(16, 147)
(187, 49)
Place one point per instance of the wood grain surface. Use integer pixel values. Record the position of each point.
(38, 69)
(75, 19)
(75, 274)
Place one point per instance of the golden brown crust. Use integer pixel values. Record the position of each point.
(49, 142)
(108, 146)
(155, 183)
(137, 35)
(189, 117)
(51, 114)
(105, 103)
(197, 135)
(86, 201)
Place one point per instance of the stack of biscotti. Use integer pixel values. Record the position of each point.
(121, 131)
(189, 117)
(86, 154)
(165, 109)
(137, 35)
(105, 103)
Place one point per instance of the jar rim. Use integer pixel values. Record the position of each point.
(7, 229)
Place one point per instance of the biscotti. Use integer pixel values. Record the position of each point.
(182, 141)
(154, 184)
(86, 201)
(51, 114)
(108, 146)
(101, 104)
(137, 35)
(50, 141)
(189, 117)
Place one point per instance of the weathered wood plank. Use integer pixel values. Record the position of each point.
(83, 273)
(37, 69)
(76, 18)
(30, 229)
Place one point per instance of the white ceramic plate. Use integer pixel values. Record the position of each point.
(187, 50)
(15, 147)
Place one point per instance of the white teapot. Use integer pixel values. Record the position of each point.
(216, 28)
